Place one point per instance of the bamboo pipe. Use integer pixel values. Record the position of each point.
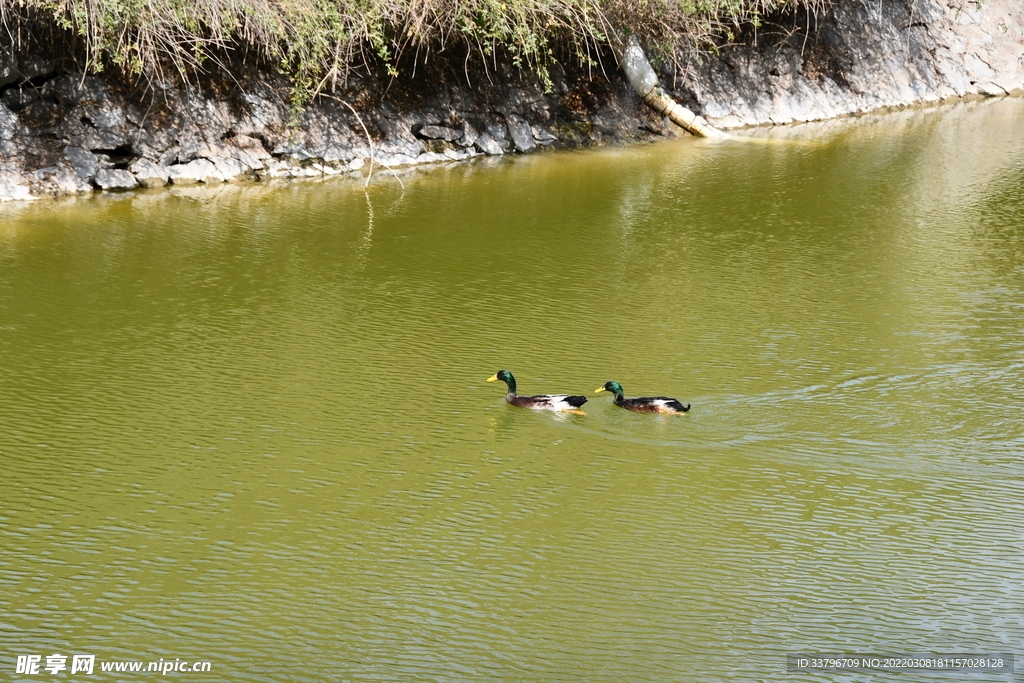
(643, 79)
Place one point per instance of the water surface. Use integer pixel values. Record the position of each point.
(249, 424)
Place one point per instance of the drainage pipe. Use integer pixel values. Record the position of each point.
(643, 79)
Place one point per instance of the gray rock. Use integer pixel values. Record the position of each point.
(96, 139)
(276, 168)
(230, 169)
(149, 174)
(169, 157)
(115, 179)
(400, 148)
(499, 133)
(242, 148)
(9, 124)
(522, 136)
(488, 145)
(542, 135)
(34, 66)
(457, 154)
(290, 148)
(19, 98)
(8, 69)
(42, 173)
(205, 150)
(469, 135)
(84, 162)
(12, 187)
(307, 171)
(251, 145)
(336, 153)
(430, 158)
(388, 159)
(361, 149)
(249, 159)
(214, 177)
(439, 133)
(196, 171)
(189, 149)
(107, 118)
(397, 128)
(990, 89)
(12, 71)
(68, 181)
(327, 169)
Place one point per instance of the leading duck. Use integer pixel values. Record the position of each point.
(562, 402)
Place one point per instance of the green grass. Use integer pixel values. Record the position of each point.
(318, 42)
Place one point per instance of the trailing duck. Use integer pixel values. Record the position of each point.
(563, 402)
(645, 404)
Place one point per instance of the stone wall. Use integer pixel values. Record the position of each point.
(63, 133)
(864, 56)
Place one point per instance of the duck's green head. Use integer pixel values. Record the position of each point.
(506, 377)
(613, 387)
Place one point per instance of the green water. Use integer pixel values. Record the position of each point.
(249, 424)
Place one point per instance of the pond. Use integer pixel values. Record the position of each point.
(249, 425)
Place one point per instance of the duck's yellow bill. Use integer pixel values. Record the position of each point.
(600, 390)
(492, 378)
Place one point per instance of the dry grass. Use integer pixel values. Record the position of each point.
(318, 42)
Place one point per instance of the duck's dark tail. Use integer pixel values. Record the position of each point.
(575, 401)
(679, 407)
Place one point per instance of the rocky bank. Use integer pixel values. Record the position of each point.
(63, 132)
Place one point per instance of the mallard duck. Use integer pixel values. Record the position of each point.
(645, 404)
(540, 401)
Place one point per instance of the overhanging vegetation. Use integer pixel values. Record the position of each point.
(318, 43)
